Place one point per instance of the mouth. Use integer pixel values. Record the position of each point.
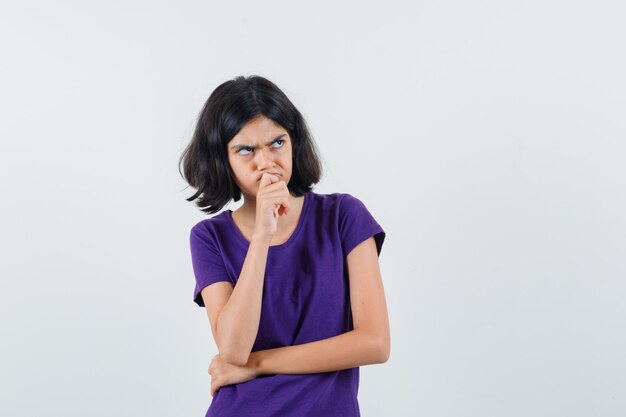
(269, 172)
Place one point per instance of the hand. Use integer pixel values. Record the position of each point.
(272, 200)
(223, 373)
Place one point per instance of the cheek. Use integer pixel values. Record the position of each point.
(240, 172)
(235, 171)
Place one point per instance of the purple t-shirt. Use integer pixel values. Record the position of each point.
(305, 298)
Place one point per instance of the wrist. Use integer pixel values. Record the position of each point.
(262, 238)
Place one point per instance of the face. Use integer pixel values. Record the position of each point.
(260, 146)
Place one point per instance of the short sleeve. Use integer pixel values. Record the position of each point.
(208, 264)
(357, 224)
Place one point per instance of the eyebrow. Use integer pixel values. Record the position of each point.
(239, 146)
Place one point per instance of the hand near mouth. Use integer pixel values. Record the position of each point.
(272, 200)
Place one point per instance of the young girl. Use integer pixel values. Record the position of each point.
(290, 280)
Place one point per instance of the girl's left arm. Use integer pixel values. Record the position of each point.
(369, 342)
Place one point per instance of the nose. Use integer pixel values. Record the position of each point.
(263, 160)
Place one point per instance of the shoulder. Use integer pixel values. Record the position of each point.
(349, 201)
(209, 229)
(338, 206)
(347, 204)
(337, 201)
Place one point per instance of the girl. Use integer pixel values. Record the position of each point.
(290, 280)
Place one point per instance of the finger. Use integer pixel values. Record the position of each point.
(273, 178)
(266, 179)
(279, 201)
(275, 189)
(285, 205)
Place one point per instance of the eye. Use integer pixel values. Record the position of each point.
(247, 148)
(243, 149)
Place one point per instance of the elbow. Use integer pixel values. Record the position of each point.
(235, 358)
(383, 355)
(378, 346)
(383, 350)
(230, 353)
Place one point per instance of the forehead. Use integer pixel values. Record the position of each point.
(260, 130)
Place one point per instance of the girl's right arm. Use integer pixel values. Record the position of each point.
(235, 313)
(237, 324)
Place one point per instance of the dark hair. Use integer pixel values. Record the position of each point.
(229, 107)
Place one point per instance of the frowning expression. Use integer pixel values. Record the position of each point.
(260, 146)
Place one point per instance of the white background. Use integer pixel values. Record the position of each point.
(486, 137)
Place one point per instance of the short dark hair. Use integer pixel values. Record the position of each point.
(229, 107)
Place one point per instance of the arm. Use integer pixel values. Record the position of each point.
(347, 350)
(368, 343)
(238, 321)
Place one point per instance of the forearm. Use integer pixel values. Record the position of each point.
(238, 322)
(347, 350)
